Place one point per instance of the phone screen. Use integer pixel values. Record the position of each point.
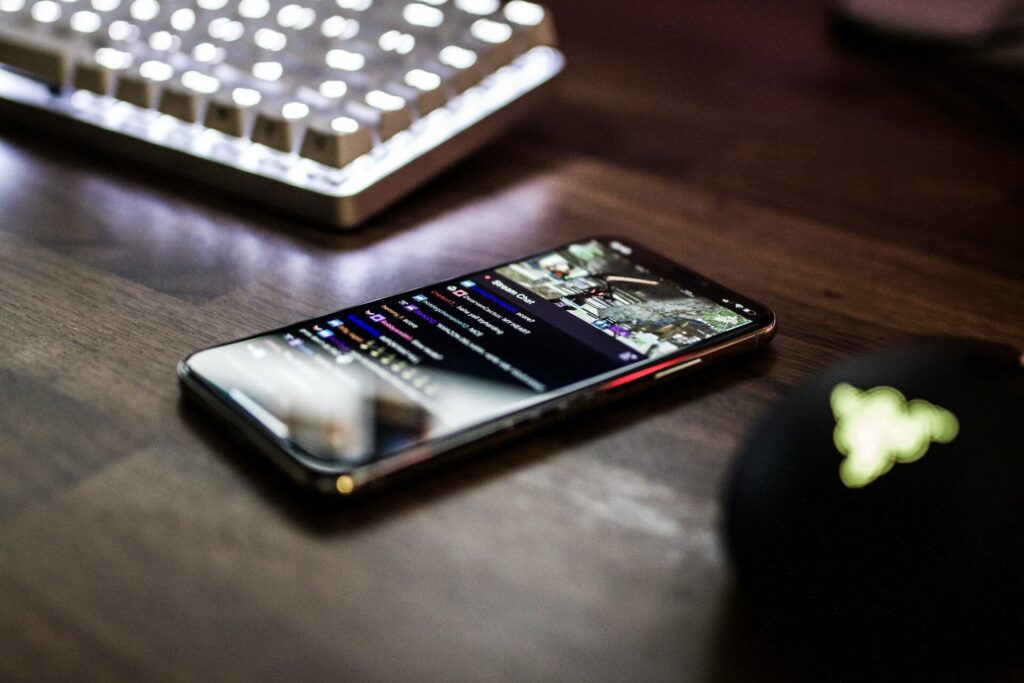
(367, 382)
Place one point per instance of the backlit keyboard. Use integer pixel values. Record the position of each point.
(329, 108)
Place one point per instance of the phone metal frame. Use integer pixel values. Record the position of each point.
(340, 478)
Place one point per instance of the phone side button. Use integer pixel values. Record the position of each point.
(538, 415)
(676, 368)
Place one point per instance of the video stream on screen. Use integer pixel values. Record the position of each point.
(649, 314)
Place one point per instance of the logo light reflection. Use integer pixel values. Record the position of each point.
(878, 427)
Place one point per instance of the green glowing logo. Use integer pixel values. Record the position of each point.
(878, 428)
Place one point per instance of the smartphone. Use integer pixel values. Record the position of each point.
(349, 400)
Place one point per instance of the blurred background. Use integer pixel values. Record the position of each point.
(765, 102)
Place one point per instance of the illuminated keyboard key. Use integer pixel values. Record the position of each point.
(45, 58)
(337, 142)
(465, 66)
(137, 90)
(180, 103)
(232, 114)
(99, 74)
(390, 112)
(185, 98)
(428, 88)
(279, 127)
(94, 78)
(532, 23)
(493, 40)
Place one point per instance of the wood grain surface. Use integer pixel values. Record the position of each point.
(862, 200)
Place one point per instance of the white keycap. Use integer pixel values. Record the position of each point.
(279, 127)
(427, 90)
(463, 64)
(492, 40)
(136, 89)
(532, 23)
(225, 115)
(336, 142)
(391, 113)
(181, 103)
(94, 78)
(48, 59)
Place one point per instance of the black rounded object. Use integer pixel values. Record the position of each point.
(923, 558)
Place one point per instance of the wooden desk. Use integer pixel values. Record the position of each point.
(861, 201)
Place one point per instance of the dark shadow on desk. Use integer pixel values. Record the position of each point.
(745, 647)
(330, 516)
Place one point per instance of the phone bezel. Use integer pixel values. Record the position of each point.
(323, 475)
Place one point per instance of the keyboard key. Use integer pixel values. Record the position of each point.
(181, 103)
(94, 78)
(392, 112)
(428, 88)
(493, 40)
(531, 21)
(186, 96)
(337, 142)
(464, 65)
(46, 58)
(279, 127)
(232, 114)
(134, 88)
